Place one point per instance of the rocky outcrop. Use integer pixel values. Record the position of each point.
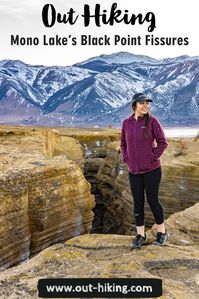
(91, 168)
(183, 227)
(41, 162)
(43, 199)
(107, 176)
(94, 144)
(44, 140)
(44, 196)
(178, 190)
(109, 256)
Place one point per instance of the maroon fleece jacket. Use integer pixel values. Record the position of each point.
(141, 154)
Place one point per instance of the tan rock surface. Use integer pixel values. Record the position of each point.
(102, 167)
(42, 201)
(108, 256)
(45, 140)
(178, 190)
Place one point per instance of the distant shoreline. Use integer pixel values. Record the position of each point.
(170, 132)
(182, 132)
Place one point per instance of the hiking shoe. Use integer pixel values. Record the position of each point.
(138, 241)
(161, 238)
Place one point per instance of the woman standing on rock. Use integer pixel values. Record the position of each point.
(139, 131)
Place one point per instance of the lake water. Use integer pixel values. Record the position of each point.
(183, 132)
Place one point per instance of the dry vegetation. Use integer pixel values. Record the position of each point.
(181, 148)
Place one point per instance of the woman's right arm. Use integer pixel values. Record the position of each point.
(123, 145)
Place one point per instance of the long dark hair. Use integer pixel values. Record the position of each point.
(146, 119)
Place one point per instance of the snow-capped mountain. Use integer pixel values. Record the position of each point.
(99, 91)
(118, 58)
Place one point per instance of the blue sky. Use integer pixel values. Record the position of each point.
(173, 18)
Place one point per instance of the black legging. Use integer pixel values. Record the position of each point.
(149, 181)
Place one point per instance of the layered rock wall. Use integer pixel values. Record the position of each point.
(109, 256)
(108, 176)
(44, 140)
(43, 200)
(45, 192)
(178, 189)
(94, 143)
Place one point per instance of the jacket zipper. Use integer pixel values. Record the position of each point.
(135, 146)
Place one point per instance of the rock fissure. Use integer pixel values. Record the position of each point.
(110, 186)
(42, 205)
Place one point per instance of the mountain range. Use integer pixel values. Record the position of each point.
(98, 91)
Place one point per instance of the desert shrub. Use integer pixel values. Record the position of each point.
(181, 148)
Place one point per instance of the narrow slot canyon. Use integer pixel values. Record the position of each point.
(58, 184)
(65, 193)
(108, 176)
